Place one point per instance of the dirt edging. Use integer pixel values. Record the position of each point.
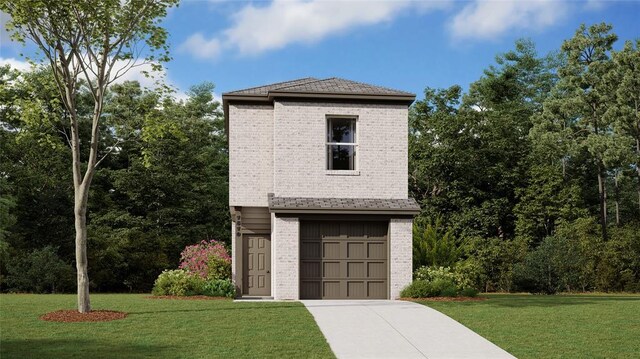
(73, 316)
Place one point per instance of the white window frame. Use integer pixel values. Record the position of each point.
(354, 144)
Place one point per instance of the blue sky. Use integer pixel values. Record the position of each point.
(407, 45)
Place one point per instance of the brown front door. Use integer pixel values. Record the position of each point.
(257, 265)
(343, 260)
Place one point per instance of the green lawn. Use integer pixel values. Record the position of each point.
(159, 329)
(561, 326)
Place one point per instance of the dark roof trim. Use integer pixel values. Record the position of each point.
(341, 95)
(308, 205)
(344, 211)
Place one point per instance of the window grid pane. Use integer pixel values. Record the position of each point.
(341, 144)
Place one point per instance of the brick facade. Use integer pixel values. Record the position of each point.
(250, 154)
(400, 255)
(280, 148)
(300, 150)
(285, 258)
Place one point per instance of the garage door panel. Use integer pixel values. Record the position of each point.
(355, 250)
(376, 250)
(331, 290)
(331, 270)
(329, 229)
(355, 270)
(311, 230)
(310, 289)
(330, 250)
(377, 289)
(351, 229)
(310, 269)
(310, 250)
(346, 260)
(376, 270)
(355, 290)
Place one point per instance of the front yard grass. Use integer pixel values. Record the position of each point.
(159, 328)
(560, 326)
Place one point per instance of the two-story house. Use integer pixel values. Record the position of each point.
(318, 190)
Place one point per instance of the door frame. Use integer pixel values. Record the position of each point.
(245, 262)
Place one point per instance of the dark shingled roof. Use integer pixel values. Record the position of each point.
(264, 90)
(310, 85)
(292, 204)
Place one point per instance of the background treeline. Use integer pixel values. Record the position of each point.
(528, 181)
(163, 185)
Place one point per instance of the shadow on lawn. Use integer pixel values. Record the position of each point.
(518, 301)
(78, 348)
(231, 308)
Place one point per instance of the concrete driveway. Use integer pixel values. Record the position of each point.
(396, 329)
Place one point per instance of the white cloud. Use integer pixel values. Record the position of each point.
(258, 29)
(200, 47)
(490, 19)
(15, 63)
(594, 5)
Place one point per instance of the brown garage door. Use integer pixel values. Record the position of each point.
(343, 260)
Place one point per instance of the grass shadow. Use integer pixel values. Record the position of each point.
(521, 301)
(234, 307)
(78, 348)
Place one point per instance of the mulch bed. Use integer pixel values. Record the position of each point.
(73, 316)
(447, 299)
(189, 297)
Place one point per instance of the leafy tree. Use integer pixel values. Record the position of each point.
(467, 153)
(624, 83)
(586, 99)
(88, 40)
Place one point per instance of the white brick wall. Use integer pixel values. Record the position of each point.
(294, 134)
(400, 256)
(300, 151)
(250, 154)
(285, 258)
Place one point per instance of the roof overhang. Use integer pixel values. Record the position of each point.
(369, 206)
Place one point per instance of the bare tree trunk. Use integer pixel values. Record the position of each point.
(603, 202)
(80, 212)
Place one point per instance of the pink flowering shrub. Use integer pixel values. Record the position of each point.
(207, 259)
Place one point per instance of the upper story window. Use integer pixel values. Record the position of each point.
(341, 143)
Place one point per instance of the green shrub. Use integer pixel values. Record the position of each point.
(40, 271)
(463, 275)
(469, 292)
(434, 244)
(218, 268)
(219, 288)
(417, 289)
(177, 282)
(564, 262)
(424, 289)
(450, 291)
